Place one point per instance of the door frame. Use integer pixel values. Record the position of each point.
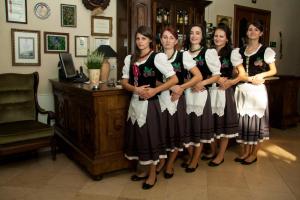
(253, 11)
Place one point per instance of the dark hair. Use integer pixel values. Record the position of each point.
(187, 43)
(226, 50)
(145, 31)
(259, 26)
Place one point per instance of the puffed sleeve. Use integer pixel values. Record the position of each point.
(125, 70)
(235, 57)
(269, 55)
(213, 61)
(162, 64)
(188, 61)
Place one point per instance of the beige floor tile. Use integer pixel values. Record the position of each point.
(52, 193)
(15, 193)
(267, 195)
(217, 193)
(276, 175)
(226, 179)
(70, 180)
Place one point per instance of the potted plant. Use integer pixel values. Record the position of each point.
(94, 62)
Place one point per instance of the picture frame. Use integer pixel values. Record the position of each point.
(100, 41)
(225, 19)
(16, 11)
(81, 46)
(55, 42)
(68, 15)
(26, 47)
(101, 26)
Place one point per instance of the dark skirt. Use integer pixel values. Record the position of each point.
(199, 129)
(253, 129)
(227, 125)
(174, 126)
(147, 143)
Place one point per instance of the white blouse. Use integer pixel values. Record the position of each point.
(236, 57)
(187, 59)
(160, 62)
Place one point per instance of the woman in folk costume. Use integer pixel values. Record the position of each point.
(199, 128)
(222, 97)
(173, 101)
(251, 96)
(143, 136)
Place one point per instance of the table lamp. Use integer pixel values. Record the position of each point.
(108, 53)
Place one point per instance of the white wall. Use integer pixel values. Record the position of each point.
(48, 68)
(284, 16)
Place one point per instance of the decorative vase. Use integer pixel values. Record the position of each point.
(94, 75)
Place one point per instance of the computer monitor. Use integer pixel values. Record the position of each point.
(67, 67)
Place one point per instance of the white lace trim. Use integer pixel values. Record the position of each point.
(252, 142)
(186, 145)
(148, 162)
(172, 150)
(251, 99)
(195, 101)
(218, 100)
(166, 103)
(137, 110)
(223, 135)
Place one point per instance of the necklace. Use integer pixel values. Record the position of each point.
(172, 55)
(252, 49)
(144, 56)
(193, 51)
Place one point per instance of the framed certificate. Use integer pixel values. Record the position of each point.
(16, 11)
(101, 26)
(81, 46)
(26, 47)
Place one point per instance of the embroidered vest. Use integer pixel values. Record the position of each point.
(179, 68)
(147, 74)
(254, 64)
(226, 66)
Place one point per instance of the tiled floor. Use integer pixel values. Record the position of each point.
(276, 175)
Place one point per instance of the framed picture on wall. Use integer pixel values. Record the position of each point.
(26, 47)
(68, 15)
(81, 46)
(16, 11)
(100, 41)
(225, 19)
(56, 42)
(101, 26)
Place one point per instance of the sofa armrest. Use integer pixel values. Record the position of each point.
(50, 114)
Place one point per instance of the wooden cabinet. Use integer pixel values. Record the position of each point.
(179, 14)
(90, 125)
(283, 101)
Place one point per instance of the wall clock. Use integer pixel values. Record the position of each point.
(92, 4)
(42, 10)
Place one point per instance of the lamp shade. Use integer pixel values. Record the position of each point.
(107, 51)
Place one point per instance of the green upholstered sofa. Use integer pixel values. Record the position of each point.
(20, 130)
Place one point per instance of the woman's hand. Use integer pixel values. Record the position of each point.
(177, 89)
(256, 80)
(149, 92)
(199, 87)
(227, 84)
(141, 91)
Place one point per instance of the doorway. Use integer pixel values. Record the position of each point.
(243, 15)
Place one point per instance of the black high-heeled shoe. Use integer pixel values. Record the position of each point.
(147, 186)
(244, 162)
(237, 159)
(212, 164)
(138, 178)
(168, 175)
(184, 165)
(204, 157)
(191, 169)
